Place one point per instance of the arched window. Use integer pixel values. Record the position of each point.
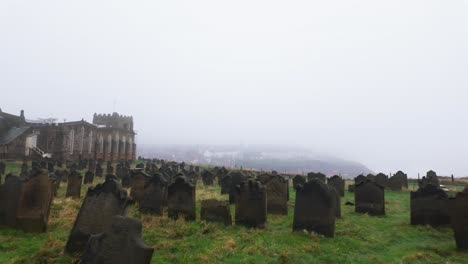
(81, 140)
(124, 142)
(117, 140)
(90, 142)
(101, 144)
(130, 145)
(71, 140)
(109, 143)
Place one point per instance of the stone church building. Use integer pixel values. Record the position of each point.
(107, 138)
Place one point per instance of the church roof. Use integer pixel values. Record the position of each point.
(11, 134)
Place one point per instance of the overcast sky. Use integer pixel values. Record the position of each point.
(384, 83)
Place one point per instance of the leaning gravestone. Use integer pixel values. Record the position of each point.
(320, 176)
(459, 218)
(429, 206)
(251, 204)
(9, 200)
(181, 199)
(89, 177)
(298, 180)
(216, 211)
(100, 205)
(120, 243)
(153, 195)
(369, 198)
(74, 185)
(382, 180)
(315, 208)
(338, 183)
(34, 203)
(277, 194)
(139, 178)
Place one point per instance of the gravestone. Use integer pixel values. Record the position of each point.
(315, 208)
(126, 181)
(2, 168)
(277, 194)
(359, 179)
(9, 199)
(99, 170)
(458, 207)
(34, 203)
(236, 178)
(140, 166)
(225, 183)
(138, 182)
(338, 183)
(337, 201)
(89, 177)
(369, 198)
(155, 192)
(120, 243)
(382, 180)
(74, 185)
(298, 180)
(351, 188)
(181, 199)
(216, 211)
(395, 183)
(207, 177)
(429, 206)
(251, 204)
(100, 205)
(320, 176)
(431, 178)
(371, 177)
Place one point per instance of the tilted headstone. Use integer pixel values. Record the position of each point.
(338, 183)
(74, 185)
(429, 206)
(155, 192)
(120, 243)
(251, 204)
(181, 199)
(9, 200)
(277, 194)
(458, 207)
(369, 198)
(216, 211)
(139, 179)
(89, 177)
(34, 203)
(100, 205)
(320, 176)
(315, 208)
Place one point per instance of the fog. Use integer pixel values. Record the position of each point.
(381, 83)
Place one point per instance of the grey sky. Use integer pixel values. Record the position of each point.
(384, 83)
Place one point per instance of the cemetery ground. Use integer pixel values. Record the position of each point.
(358, 238)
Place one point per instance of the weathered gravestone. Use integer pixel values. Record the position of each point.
(9, 200)
(237, 178)
(110, 169)
(24, 169)
(34, 203)
(225, 183)
(140, 166)
(181, 199)
(359, 179)
(251, 204)
(155, 192)
(139, 178)
(315, 208)
(371, 177)
(100, 205)
(120, 243)
(74, 185)
(216, 211)
(431, 178)
(56, 180)
(351, 188)
(337, 201)
(2, 168)
(277, 194)
(99, 170)
(382, 180)
(207, 177)
(429, 206)
(89, 177)
(397, 181)
(369, 198)
(298, 180)
(319, 176)
(338, 183)
(459, 218)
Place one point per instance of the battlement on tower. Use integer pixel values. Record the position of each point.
(115, 121)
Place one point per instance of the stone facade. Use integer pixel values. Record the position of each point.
(108, 138)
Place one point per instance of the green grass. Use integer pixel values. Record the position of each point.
(358, 238)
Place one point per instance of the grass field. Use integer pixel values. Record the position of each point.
(358, 238)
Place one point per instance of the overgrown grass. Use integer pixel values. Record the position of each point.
(358, 238)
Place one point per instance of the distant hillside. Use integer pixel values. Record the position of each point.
(279, 158)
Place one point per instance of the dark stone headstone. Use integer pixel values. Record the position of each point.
(99, 170)
(359, 179)
(320, 176)
(120, 243)
(225, 183)
(236, 178)
(382, 180)
(181, 199)
(298, 180)
(100, 205)
(277, 194)
(369, 198)
(89, 177)
(431, 178)
(207, 177)
(315, 208)
(351, 188)
(10, 195)
(34, 203)
(429, 206)
(138, 181)
(155, 192)
(2, 168)
(74, 185)
(251, 204)
(338, 183)
(216, 211)
(459, 218)
(140, 166)
(397, 181)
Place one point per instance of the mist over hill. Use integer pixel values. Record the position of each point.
(262, 157)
